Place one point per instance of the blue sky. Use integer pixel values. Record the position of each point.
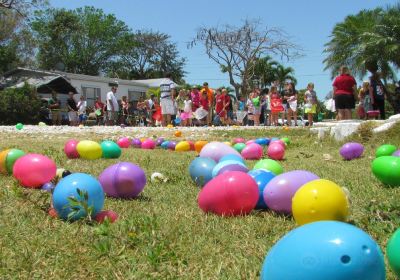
(308, 22)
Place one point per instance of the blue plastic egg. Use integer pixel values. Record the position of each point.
(262, 178)
(232, 157)
(67, 190)
(48, 187)
(326, 250)
(262, 141)
(200, 170)
(164, 145)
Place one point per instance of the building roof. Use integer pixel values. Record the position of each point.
(152, 82)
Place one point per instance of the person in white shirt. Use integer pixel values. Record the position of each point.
(112, 106)
(167, 99)
(82, 104)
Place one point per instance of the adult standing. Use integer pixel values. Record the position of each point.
(166, 99)
(112, 106)
(210, 97)
(55, 106)
(290, 99)
(344, 87)
(72, 109)
(377, 92)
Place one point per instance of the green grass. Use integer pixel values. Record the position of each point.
(164, 234)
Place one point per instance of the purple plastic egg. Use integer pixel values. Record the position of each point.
(351, 150)
(123, 180)
(171, 145)
(159, 141)
(396, 153)
(278, 193)
(136, 143)
(217, 150)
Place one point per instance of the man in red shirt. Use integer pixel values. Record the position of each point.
(344, 87)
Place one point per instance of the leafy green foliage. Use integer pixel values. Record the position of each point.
(19, 105)
(80, 204)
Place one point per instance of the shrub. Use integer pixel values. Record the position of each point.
(19, 105)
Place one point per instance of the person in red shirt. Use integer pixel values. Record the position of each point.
(344, 87)
(221, 104)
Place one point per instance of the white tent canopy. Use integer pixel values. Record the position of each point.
(152, 82)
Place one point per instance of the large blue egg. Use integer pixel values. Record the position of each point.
(232, 157)
(68, 188)
(262, 178)
(200, 170)
(164, 145)
(326, 250)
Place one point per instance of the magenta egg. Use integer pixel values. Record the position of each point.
(70, 149)
(351, 150)
(148, 144)
(252, 151)
(238, 140)
(278, 193)
(124, 142)
(229, 194)
(250, 142)
(276, 151)
(34, 170)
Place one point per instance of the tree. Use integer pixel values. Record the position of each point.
(367, 41)
(236, 49)
(22, 7)
(265, 69)
(149, 55)
(283, 74)
(83, 41)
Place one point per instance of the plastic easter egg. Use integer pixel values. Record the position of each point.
(165, 144)
(19, 126)
(396, 153)
(385, 150)
(89, 149)
(387, 170)
(262, 178)
(171, 145)
(48, 187)
(106, 214)
(110, 149)
(191, 144)
(320, 200)
(159, 141)
(227, 143)
(230, 194)
(182, 146)
(70, 149)
(239, 147)
(286, 140)
(12, 156)
(178, 133)
(252, 151)
(238, 140)
(262, 141)
(326, 250)
(148, 144)
(198, 145)
(227, 166)
(269, 165)
(279, 192)
(217, 150)
(136, 143)
(232, 157)
(200, 170)
(279, 141)
(250, 142)
(124, 142)
(123, 180)
(3, 158)
(34, 170)
(393, 252)
(351, 150)
(276, 151)
(81, 187)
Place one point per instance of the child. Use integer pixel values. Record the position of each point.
(186, 115)
(204, 105)
(240, 113)
(82, 110)
(276, 105)
(310, 106)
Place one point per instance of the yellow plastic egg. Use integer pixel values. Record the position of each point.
(182, 146)
(89, 149)
(320, 200)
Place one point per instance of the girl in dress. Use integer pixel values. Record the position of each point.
(186, 115)
(310, 106)
(276, 105)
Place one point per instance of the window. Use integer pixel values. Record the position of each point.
(91, 94)
(134, 95)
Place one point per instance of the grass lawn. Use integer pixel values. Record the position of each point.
(164, 234)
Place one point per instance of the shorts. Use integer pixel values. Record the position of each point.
(311, 109)
(112, 115)
(82, 117)
(167, 106)
(344, 102)
(230, 115)
(72, 116)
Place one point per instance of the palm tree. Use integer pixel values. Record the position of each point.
(264, 69)
(283, 74)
